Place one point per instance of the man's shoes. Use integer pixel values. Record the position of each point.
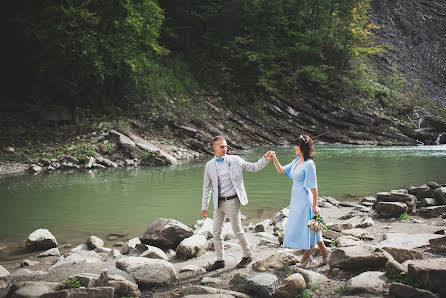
(215, 266)
(244, 262)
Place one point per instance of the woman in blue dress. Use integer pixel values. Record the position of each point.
(303, 202)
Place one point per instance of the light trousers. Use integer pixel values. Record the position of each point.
(231, 209)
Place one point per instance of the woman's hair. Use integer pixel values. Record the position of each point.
(306, 146)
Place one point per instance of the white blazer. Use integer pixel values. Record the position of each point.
(236, 165)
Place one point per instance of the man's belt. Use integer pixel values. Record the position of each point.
(227, 198)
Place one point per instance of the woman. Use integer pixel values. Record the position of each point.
(303, 201)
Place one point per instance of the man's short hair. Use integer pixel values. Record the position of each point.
(218, 138)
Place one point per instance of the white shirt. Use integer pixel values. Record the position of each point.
(225, 187)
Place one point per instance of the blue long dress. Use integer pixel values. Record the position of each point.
(297, 234)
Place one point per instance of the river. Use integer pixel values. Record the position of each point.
(75, 205)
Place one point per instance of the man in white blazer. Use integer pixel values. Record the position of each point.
(223, 175)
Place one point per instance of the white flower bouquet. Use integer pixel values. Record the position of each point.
(317, 224)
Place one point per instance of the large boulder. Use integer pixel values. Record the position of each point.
(166, 233)
(52, 252)
(24, 274)
(432, 211)
(148, 273)
(291, 286)
(87, 257)
(348, 240)
(210, 292)
(399, 290)
(153, 252)
(390, 209)
(123, 283)
(358, 257)
(82, 292)
(94, 242)
(430, 273)
(204, 227)
(5, 280)
(403, 254)
(87, 280)
(440, 196)
(407, 241)
(393, 269)
(41, 239)
(312, 278)
(370, 281)
(130, 245)
(262, 284)
(32, 288)
(438, 244)
(190, 247)
(275, 261)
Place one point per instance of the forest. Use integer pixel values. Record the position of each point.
(108, 55)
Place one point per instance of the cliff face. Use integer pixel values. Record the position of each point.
(415, 33)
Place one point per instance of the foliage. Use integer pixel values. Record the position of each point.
(304, 294)
(70, 284)
(403, 216)
(340, 289)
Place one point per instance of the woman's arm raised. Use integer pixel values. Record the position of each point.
(277, 164)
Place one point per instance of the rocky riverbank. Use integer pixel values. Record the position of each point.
(391, 245)
(177, 133)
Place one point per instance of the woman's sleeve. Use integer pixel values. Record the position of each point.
(288, 168)
(310, 176)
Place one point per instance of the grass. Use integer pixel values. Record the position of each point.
(340, 289)
(70, 284)
(403, 216)
(304, 294)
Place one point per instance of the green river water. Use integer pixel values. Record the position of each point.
(75, 205)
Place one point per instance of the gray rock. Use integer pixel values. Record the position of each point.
(161, 157)
(87, 257)
(192, 268)
(274, 262)
(204, 227)
(262, 284)
(426, 202)
(26, 274)
(440, 196)
(123, 284)
(281, 225)
(29, 263)
(80, 247)
(203, 290)
(209, 296)
(347, 204)
(312, 278)
(129, 245)
(191, 247)
(407, 241)
(399, 290)
(438, 244)
(433, 185)
(94, 242)
(211, 281)
(393, 268)
(362, 209)
(390, 209)
(87, 280)
(82, 292)
(102, 249)
(345, 241)
(113, 254)
(340, 226)
(166, 233)
(41, 239)
(358, 233)
(358, 257)
(52, 252)
(416, 190)
(290, 286)
(402, 254)
(32, 288)
(5, 279)
(432, 211)
(148, 272)
(281, 215)
(331, 234)
(370, 281)
(154, 253)
(430, 273)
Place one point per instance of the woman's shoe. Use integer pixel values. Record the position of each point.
(306, 263)
(328, 252)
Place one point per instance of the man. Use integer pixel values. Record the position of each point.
(223, 175)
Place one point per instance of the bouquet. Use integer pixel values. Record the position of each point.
(317, 224)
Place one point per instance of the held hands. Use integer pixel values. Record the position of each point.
(204, 213)
(269, 155)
